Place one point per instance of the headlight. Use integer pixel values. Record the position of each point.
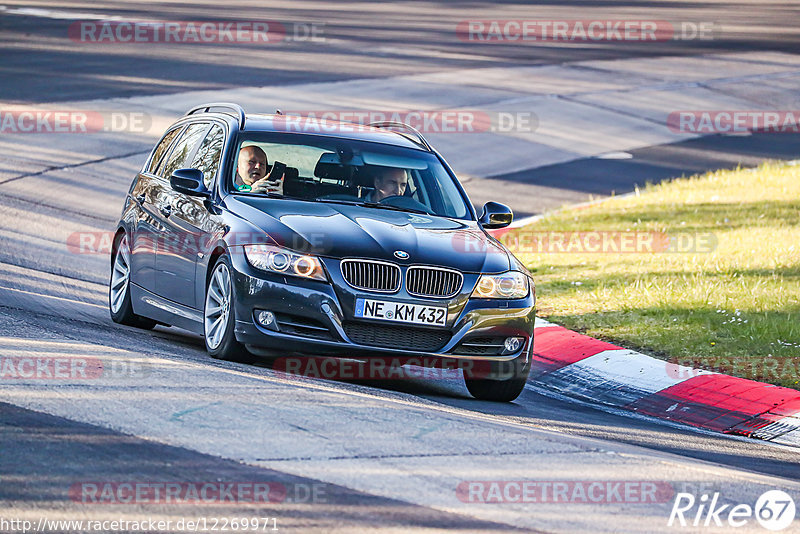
(283, 261)
(510, 285)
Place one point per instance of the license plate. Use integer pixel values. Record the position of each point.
(401, 312)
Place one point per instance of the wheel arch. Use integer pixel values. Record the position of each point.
(218, 251)
(115, 244)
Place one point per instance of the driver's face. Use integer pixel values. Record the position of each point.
(391, 183)
(252, 165)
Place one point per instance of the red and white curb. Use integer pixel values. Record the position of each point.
(579, 366)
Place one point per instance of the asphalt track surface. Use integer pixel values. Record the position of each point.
(388, 453)
(362, 40)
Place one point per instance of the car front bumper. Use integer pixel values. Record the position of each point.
(315, 318)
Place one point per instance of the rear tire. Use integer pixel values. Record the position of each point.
(219, 317)
(503, 390)
(119, 293)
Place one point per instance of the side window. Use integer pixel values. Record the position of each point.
(208, 155)
(179, 156)
(161, 149)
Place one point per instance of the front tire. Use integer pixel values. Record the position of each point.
(503, 389)
(119, 293)
(219, 317)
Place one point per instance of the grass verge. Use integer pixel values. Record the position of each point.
(702, 271)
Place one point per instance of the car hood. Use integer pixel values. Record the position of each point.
(348, 231)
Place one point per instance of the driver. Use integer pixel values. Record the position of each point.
(388, 182)
(251, 172)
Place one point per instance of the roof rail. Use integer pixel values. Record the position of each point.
(206, 108)
(418, 138)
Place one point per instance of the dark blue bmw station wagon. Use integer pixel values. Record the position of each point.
(329, 239)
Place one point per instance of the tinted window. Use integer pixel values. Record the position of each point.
(161, 149)
(179, 157)
(208, 155)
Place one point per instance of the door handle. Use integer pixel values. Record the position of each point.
(141, 198)
(166, 211)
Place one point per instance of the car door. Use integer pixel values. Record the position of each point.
(176, 253)
(145, 228)
(192, 221)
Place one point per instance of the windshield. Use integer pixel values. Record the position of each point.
(320, 169)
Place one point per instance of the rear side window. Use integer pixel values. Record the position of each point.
(179, 157)
(161, 149)
(208, 154)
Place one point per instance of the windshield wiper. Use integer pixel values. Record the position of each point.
(372, 205)
(263, 194)
(337, 201)
(266, 194)
(395, 208)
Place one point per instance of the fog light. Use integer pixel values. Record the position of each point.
(513, 344)
(266, 319)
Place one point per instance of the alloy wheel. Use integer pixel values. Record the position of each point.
(218, 306)
(121, 275)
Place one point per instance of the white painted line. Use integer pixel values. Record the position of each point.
(519, 223)
(55, 14)
(62, 299)
(615, 155)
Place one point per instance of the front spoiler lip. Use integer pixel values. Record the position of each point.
(251, 334)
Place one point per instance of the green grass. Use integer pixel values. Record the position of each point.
(735, 309)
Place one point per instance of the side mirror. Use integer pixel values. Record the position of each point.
(496, 215)
(189, 182)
